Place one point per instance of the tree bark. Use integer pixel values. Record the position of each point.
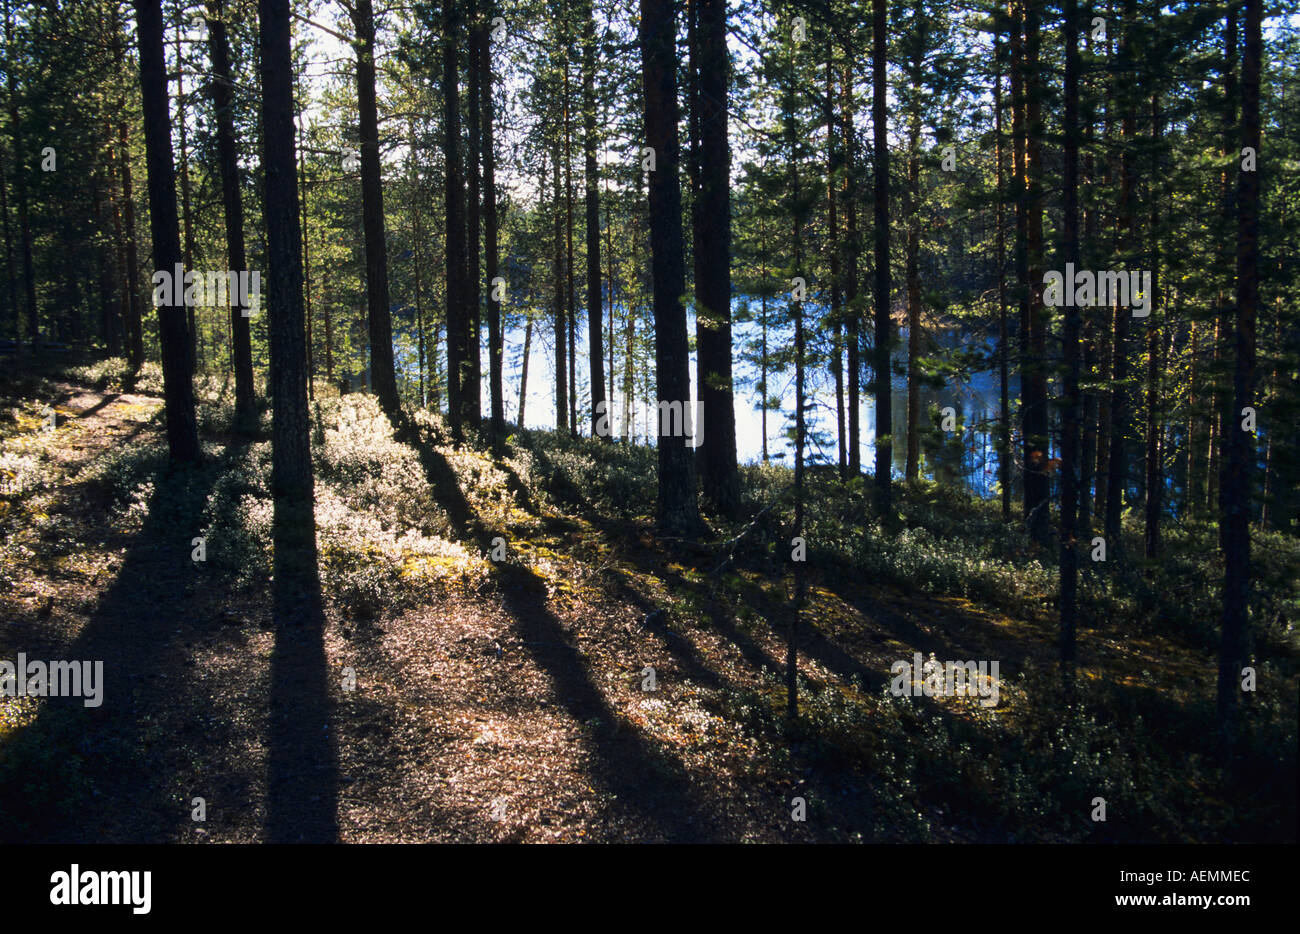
(1154, 427)
(1034, 412)
(1004, 347)
(883, 322)
(187, 227)
(292, 483)
(382, 378)
(416, 196)
(1219, 395)
(131, 287)
(523, 373)
(561, 325)
(20, 187)
(1236, 483)
(228, 162)
(591, 177)
(1070, 423)
(570, 289)
(834, 249)
(457, 323)
(913, 273)
(678, 512)
(852, 251)
(1116, 468)
(712, 236)
(306, 265)
(490, 251)
(11, 280)
(178, 390)
(472, 386)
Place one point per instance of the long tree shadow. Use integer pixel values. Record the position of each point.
(963, 634)
(302, 771)
(108, 773)
(656, 621)
(683, 649)
(647, 562)
(646, 782)
(847, 806)
(618, 585)
(99, 406)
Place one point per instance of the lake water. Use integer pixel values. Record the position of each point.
(973, 396)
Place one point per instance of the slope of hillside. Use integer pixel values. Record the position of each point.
(508, 651)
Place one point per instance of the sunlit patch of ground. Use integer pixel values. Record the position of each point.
(480, 713)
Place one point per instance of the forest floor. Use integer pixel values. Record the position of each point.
(503, 701)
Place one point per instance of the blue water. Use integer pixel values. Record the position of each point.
(972, 394)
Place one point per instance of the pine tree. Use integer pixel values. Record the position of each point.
(178, 388)
(678, 512)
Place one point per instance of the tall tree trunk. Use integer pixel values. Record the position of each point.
(1034, 412)
(1004, 347)
(1239, 453)
(570, 289)
(883, 322)
(763, 354)
(629, 370)
(1020, 190)
(11, 276)
(792, 640)
(131, 286)
(187, 227)
(1193, 489)
(852, 250)
(1223, 317)
(1104, 326)
(457, 324)
(300, 751)
(1102, 434)
(1070, 423)
(1116, 468)
(1218, 404)
(609, 265)
(913, 272)
(800, 427)
(561, 326)
(306, 262)
(382, 378)
(472, 386)
(329, 341)
(20, 184)
(416, 197)
(228, 161)
(1154, 427)
(291, 471)
(523, 373)
(678, 512)
(435, 367)
(834, 248)
(629, 335)
(591, 177)
(178, 390)
(712, 239)
(1088, 337)
(490, 252)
